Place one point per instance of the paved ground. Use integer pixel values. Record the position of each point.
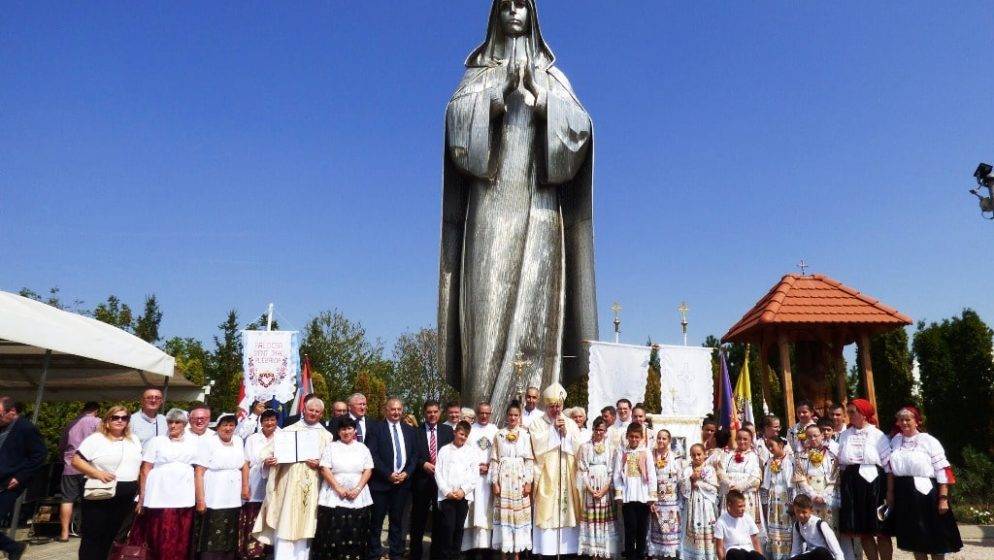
(978, 541)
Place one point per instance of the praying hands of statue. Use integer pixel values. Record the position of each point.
(536, 81)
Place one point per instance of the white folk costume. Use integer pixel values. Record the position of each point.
(862, 484)
(557, 501)
(512, 467)
(595, 466)
(666, 518)
(740, 471)
(777, 491)
(478, 520)
(288, 517)
(815, 475)
(919, 465)
(700, 513)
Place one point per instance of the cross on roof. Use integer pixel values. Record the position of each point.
(803, 266)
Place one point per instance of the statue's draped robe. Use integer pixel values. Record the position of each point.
(289, 511)
(557, 500)
(517, 255)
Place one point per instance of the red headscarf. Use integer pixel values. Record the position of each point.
(866, 409)
(915, 413)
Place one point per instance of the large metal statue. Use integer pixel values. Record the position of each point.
(516, 284)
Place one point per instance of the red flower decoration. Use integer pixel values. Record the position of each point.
(739, 458)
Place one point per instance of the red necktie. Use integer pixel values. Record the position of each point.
(432, 444)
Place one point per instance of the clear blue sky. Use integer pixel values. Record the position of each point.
(225, 155)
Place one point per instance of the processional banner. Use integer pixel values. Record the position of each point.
(617, 371)
(687, 384)
(271, 365)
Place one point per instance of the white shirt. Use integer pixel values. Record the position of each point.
(248, 426)
(457, 467)
(735, 532)
(147, 428)
(811, 537)
(170, 482)
(631, 484)
(396, 434)
(123, 457)
(258, 474)
(347, 463)
(528, 417)
(920, 456)
(207, 433)
(868, 446)
(223, 479)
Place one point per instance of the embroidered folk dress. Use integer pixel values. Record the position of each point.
(863, 453)
(741, 471)
(595, 466)
(700, 512)
(796, 436)
(511, 466)
(815, 475)
(478, 527)
(665, 521)
(777, 492)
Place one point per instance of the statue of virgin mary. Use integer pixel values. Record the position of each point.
(516, 285)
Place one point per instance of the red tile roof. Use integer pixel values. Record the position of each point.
(814, 300)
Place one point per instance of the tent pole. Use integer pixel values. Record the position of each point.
(165, 390)
(12, 531)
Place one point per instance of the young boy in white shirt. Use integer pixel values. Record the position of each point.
(736, 536)
(813, 538)
(456, 473)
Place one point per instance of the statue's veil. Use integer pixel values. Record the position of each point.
(488, 53)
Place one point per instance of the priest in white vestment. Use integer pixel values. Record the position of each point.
(288, 517)
(555, 442)
(478, 528)
(531, 412)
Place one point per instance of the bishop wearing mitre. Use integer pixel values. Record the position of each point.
(288, 517)
(555, 442)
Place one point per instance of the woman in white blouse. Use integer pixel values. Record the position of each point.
(344, 502)
(248, 547)
(166, 493)
(221, 484)
(109, 458)
(863, 452)
(918, 491)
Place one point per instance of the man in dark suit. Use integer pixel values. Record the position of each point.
(339, 410)
(22, 453)
(432, 435)
(393, 446)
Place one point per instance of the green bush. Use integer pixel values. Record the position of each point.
(974, 493)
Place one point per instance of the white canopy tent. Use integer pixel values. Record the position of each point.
(63, 356)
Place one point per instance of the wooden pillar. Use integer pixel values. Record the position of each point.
(764, 371)
(788, 382)
(841, 387)
(864, 352)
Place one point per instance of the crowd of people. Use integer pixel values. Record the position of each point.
(541, 484)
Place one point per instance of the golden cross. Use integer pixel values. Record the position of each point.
(520, 363)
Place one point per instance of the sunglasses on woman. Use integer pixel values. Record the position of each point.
(122, 417)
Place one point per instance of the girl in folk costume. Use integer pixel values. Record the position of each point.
(863, 452)
(797, 433)
(816, 473)
(740, 471)
(918, 491)
(511, 469)
(699, 487)
(595, 463)
(716, 454)
(777, 492)
(635, 485)
(664, 524)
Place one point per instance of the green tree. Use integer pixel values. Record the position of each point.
(339, 350)
(113, 312)
(415, 376)
(191, 358)
(956, 366)
(653, 390)
(52, 299)
(225, 366)
(891, 360)
(147, 324)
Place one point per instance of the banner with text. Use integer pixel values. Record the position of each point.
(271, 365)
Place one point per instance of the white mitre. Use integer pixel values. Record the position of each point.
(554, 394)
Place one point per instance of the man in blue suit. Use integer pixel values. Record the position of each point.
(432, 435)
(393, 446)
(22, 453)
